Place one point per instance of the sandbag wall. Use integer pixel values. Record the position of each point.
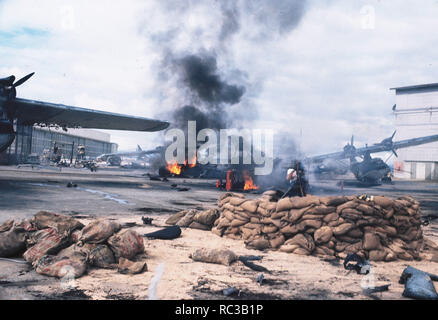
(377, 228)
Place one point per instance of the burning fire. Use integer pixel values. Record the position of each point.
(174, 168)
(193, 162)
(249, 183)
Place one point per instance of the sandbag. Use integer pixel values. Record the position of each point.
(45, 219)
(207, 217)
(258, 244)
(305, 241)
(342, 229)
(371, 241)
(12, 242)
(126, 266)
(301, 202)
(225, 257)
(173, 219)
(102, 257)
(323, 234)
(187, 219)
(126, 244)
(60, 267)
(76, 252)
(7, 225)
(50, 242)
(199, 226)
(99, 230)
(250, 206)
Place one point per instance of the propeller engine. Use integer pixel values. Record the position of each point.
(9, 86)
(8, 92)
(388, 143)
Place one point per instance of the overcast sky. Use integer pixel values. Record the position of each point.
(322, 80)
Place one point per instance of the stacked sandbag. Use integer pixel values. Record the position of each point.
(194, 219)
(60, 246)
(377, 228)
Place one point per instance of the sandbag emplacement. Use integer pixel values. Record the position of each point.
(377, 228)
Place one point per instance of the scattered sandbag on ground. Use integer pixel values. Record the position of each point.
(225, 257)
(99, 230)
(202, 220)
(126, 266)
(374, 227)
(62, 223)
(173, 219)
(126, 244)
(49, 242)
(60, 267)
(102, 257)
(12, 242)
(7, 225)
(77, 252)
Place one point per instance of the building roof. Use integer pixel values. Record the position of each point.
(418, 86)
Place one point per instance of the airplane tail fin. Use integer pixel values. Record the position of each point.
(139, 148)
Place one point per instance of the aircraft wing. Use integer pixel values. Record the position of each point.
(415, 142)
(376, 148)
(34, 112)
(335, 156)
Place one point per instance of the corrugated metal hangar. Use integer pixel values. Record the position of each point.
(416, 115)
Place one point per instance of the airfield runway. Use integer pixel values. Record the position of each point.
(127, 195)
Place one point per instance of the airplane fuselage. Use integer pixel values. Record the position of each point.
(370, 170)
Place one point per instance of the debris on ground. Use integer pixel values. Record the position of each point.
(418, 284)
(246, 260)
(71, 185)
(376, 228)
(361, 267)
(260, 278)
(218, 256)
(230, 291)
(167, 233)
(146, 220)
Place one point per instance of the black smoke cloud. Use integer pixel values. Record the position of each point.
(216, 97)
(200, 74)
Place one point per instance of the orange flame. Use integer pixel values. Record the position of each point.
(174, 168)
(192, 163)
(249, 183)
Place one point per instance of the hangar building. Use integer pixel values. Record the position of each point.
(416, 115)
(33, 140)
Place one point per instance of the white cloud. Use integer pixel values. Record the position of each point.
(329, 78)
